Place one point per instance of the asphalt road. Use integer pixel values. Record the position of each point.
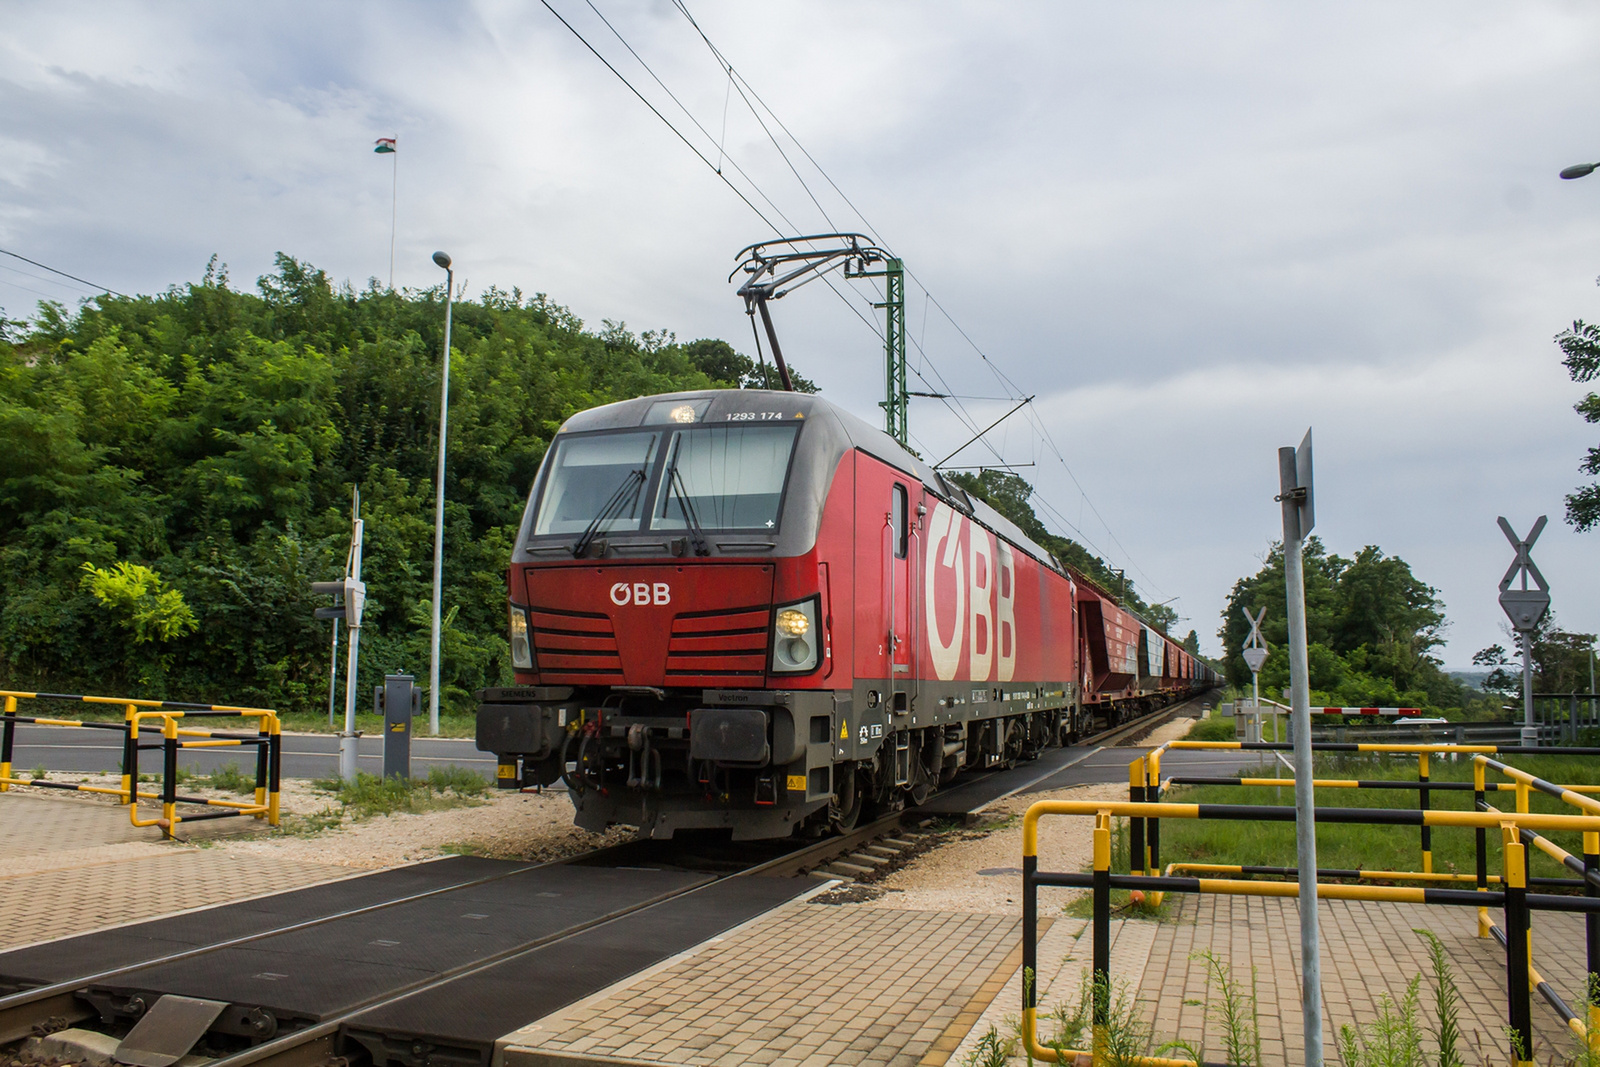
(304, 755)
(317, 756)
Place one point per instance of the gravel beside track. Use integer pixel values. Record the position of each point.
(950, 877)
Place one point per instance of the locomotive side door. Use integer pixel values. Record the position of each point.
(902, 591)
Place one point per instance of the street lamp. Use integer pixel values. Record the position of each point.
(438, 511)
(1580, 170)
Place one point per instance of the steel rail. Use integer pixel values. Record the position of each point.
(16, 1001)
(53, 997)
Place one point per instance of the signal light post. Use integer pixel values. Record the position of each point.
(350, 596)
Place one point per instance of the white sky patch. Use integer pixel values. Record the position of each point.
(1191, 230)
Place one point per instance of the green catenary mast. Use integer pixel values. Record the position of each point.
(774, 268)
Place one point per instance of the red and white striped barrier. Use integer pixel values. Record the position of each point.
(1368, 711)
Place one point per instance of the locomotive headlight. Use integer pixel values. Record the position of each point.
(521, 649)
(795, 641)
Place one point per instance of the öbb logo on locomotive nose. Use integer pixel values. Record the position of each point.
(625, 593)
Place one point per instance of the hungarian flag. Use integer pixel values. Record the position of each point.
(384, 144)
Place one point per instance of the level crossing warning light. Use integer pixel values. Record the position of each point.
(350, 598)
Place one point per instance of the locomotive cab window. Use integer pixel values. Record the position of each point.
(897, 519)
(723, 478)
(597, 479)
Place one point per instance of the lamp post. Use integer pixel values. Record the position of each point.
(1580, 170)
(438, 511)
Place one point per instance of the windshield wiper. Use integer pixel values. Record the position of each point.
(620, 500)
(690, 518)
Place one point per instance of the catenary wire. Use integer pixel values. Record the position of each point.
(645, 101)
(64, 274)
(48, 280)
(740, 84)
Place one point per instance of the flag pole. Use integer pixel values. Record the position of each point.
(394, 195)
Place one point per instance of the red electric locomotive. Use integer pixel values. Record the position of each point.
(752, 610)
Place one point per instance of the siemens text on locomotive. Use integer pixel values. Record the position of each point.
(751, 610)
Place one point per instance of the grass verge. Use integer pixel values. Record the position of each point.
(370, 795)
(1389, 848)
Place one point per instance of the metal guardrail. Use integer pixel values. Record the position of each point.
(161, 717)
(1519, 829)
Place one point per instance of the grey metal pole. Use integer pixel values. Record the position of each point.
(333, 676)
(1530, 731)
(1304, 800)
(1255, 701)
(438, 510)
(348, 739)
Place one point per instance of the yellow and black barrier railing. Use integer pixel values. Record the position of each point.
(1513, 895)
(1145, 782)
(161, 718)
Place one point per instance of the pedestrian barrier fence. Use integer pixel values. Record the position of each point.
(164, 721)
(1510, 889)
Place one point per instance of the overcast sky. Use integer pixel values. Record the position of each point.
(1190, 230)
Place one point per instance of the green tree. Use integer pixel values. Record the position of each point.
(1581, 347)
(1371, 626)
(1561, 661)
(198, 447)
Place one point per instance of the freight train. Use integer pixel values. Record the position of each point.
(751, 610)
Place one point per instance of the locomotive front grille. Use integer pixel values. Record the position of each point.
(719, 647)
(575, 646)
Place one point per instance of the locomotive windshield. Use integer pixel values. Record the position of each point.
(723, 478)
(597, 479)
(707, 477)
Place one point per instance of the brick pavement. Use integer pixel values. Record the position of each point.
(1368, 949)
(808, 985)
(69, 865)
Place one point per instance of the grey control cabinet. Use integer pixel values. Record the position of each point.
(398, 700)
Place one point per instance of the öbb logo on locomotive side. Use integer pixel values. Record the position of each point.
(625, 593)
(980, 584)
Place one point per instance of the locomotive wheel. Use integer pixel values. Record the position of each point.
(845, 810)
(1014, 743)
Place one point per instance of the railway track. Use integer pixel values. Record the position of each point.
(664, 895)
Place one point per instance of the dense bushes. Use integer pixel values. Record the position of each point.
(196, 451)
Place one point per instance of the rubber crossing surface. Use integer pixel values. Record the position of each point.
(485, 957)
(513, 993)
(60, 961)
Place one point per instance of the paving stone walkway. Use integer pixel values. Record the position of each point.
(1369, 950)
(69, 865)
(808, 985)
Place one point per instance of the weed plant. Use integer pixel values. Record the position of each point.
(230, 779)
(990, 1051)
(370, 795)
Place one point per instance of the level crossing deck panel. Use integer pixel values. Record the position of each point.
(59, 961)
(517, 991)
(331, 968)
